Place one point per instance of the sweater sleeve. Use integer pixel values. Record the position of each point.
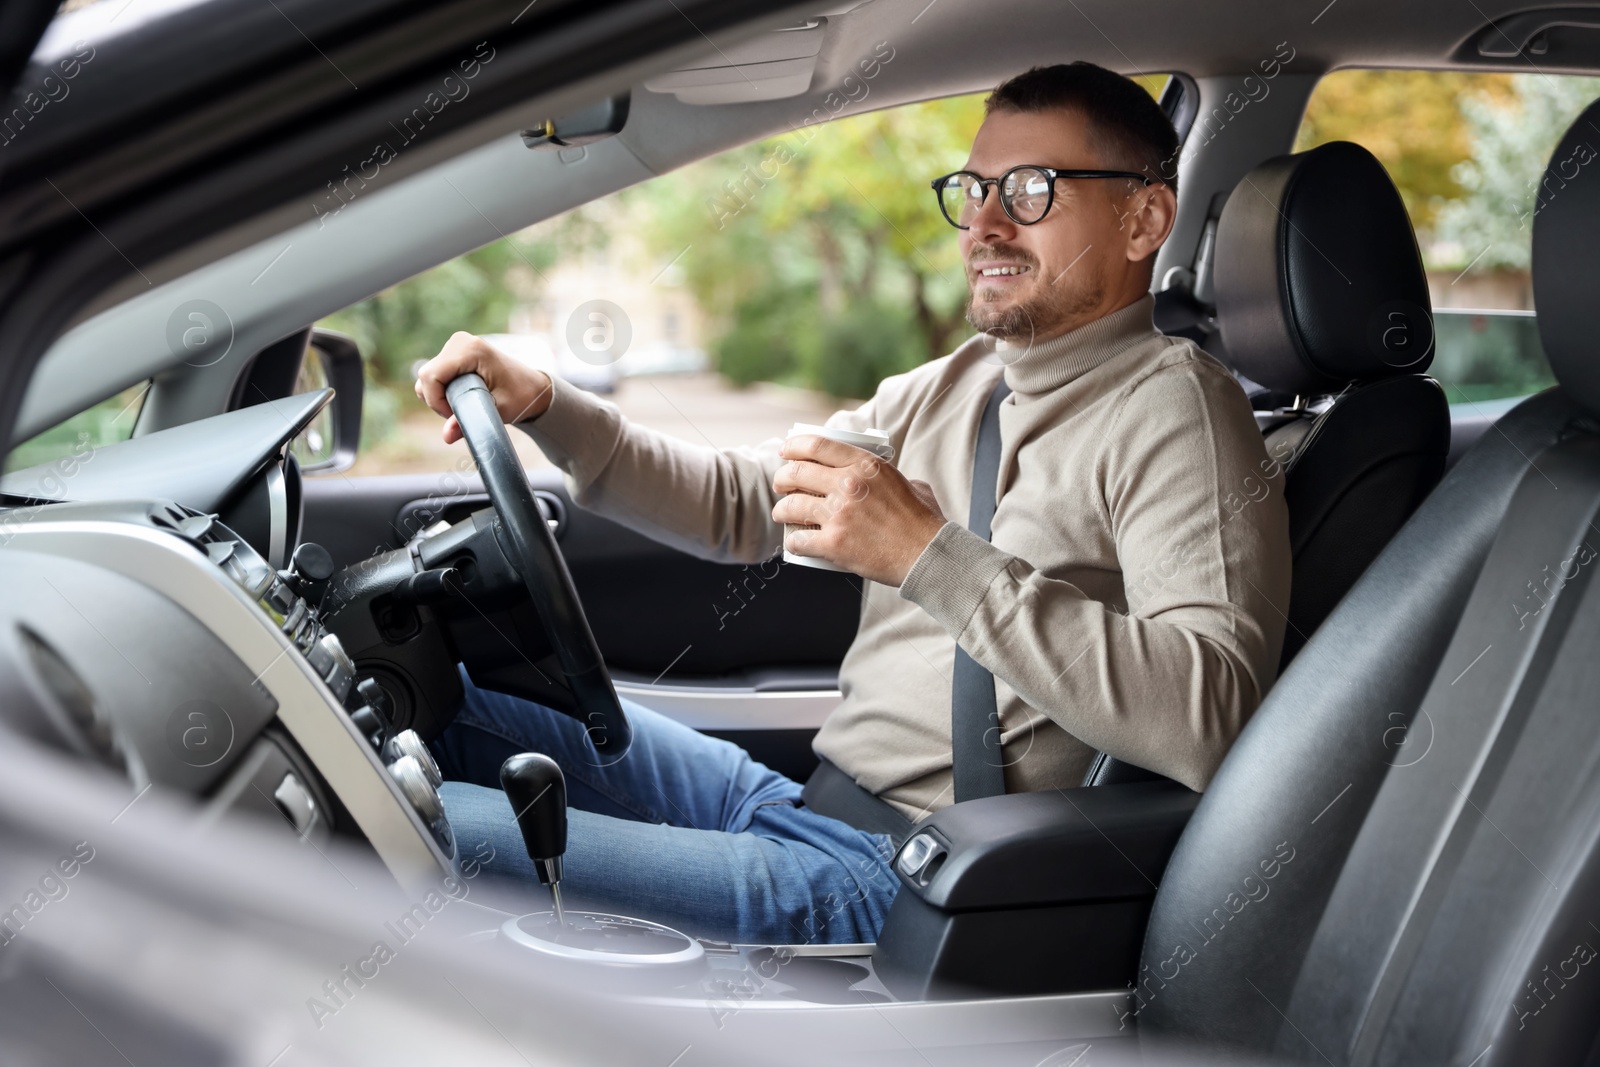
(1201, 533)
(711, 502)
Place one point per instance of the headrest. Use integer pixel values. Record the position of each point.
(1318, 279)
(1566, 254)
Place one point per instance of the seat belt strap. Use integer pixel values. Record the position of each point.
(976, 762)
(831, 792)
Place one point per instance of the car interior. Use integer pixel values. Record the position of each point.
(214, 609)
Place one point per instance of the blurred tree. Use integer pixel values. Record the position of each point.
(474, 292)
(821, 252)
(1491, 226)
(411, 321)
(1410, 120)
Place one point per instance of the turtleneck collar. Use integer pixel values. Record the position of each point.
(1051, 364)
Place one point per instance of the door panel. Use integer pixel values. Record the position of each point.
(654, 610)
(749, 653)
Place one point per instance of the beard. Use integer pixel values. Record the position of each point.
(1049, 306)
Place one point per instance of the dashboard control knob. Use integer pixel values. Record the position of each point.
(410, 743)
(373, 693)
(419, 792)
(333, 663)
(310, 570)
(370, 725)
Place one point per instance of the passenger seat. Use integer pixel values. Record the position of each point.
(1399, 861)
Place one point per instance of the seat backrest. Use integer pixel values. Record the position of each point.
(1321, 295)
(1399, 859)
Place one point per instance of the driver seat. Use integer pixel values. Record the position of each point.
(1398, 861)
(1321, 296)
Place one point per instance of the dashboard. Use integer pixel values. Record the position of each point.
(155, 640)
(235, 465)
(184, 646)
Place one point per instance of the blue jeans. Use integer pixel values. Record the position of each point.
(685, 830)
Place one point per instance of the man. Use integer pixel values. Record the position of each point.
(1121, 602)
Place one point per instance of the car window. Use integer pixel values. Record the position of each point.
(1467, 152)
(105, 423)
(769, 285)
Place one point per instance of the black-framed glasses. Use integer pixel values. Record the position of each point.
(1026, 192)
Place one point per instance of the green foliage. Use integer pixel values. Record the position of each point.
(1488, 356)
(760, 344)
(1409, 119)
(381, 404)
(792, 243)
(848, 354)
(105, 423)
(411, 321)
(1491, 226)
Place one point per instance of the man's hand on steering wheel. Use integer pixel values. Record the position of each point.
(480, 390)
(520, 392)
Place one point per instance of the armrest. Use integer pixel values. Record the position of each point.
(1030, 849)
(1030, 893)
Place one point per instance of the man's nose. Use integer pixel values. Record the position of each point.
(991, 224)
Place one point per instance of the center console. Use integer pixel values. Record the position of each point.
(333, 724)
(647, 956)
(1030, 893)
(291, 599)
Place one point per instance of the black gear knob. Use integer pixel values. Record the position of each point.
(538, 793)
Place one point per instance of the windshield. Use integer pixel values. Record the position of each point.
(105, 423)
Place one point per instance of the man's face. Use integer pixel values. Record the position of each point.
(1084, 259)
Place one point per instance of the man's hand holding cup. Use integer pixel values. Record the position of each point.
(854, 511)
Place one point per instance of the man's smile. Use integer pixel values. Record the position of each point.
(999, 272)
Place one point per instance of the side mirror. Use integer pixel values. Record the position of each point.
(329, 443)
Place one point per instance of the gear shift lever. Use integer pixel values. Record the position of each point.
(538, 794)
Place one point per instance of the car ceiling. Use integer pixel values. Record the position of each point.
(277, 269)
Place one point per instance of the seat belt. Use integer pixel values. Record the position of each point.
(977, 764)
(975, 757)
(831, 792)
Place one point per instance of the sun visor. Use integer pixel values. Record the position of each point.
(773, 66)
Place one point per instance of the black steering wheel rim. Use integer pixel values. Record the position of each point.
(526, 539)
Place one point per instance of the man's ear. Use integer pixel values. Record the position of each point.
(1147, 219)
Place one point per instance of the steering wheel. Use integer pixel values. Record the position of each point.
(527, 542)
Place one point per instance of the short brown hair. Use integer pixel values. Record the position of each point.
(1133, 132)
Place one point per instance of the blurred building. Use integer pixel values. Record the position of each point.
(627, 315)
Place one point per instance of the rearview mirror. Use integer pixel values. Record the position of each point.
(329, 443)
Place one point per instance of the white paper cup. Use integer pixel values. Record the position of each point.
(874, 441)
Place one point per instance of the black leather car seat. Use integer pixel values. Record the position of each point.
(1321, 296)
(1399, 861)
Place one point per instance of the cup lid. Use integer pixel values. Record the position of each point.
(847, 436)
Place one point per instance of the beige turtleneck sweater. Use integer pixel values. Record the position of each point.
(1132, 597)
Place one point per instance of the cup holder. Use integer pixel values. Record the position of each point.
(820, 980)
